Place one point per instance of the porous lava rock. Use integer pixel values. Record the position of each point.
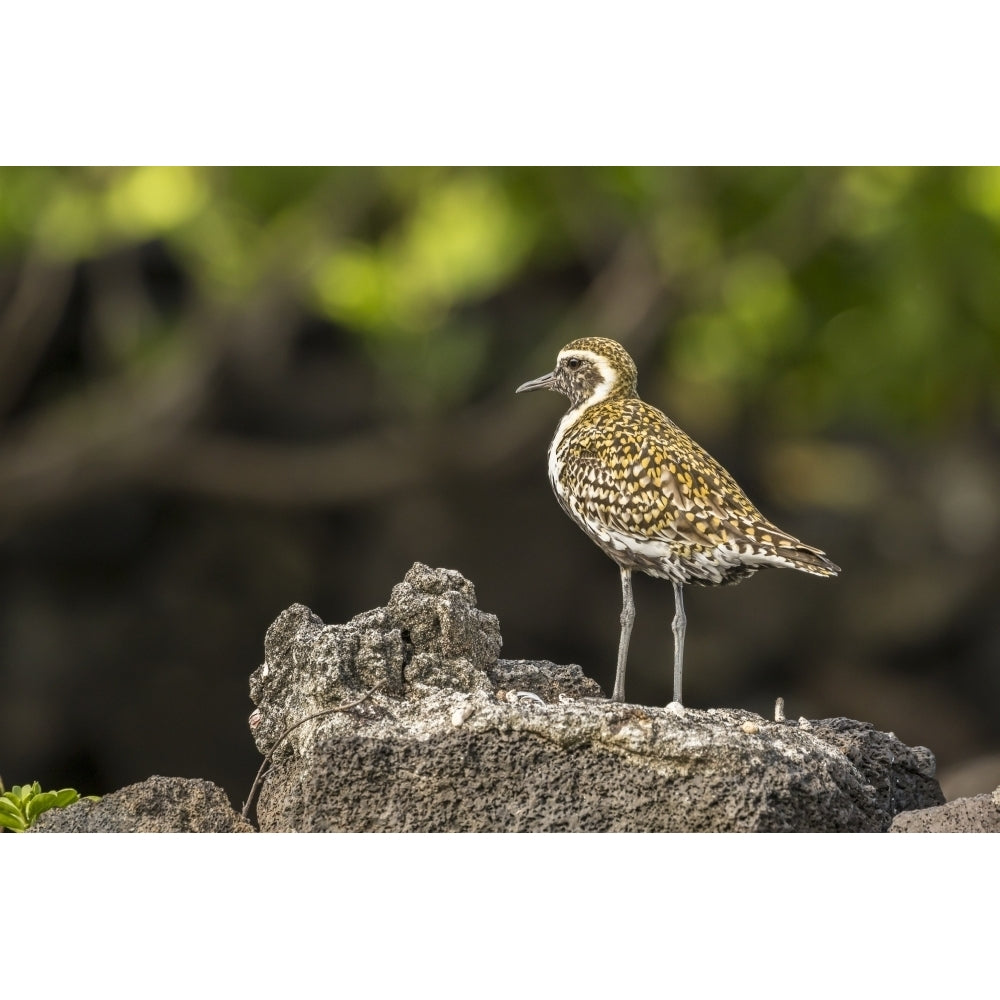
(156, 805)
(973, 814)
(425, 728)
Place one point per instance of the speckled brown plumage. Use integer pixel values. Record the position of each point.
(650, 497)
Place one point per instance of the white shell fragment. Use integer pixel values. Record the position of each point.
(462, 713)
(524, 696)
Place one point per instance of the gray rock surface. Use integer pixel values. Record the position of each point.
(977, 814)
(903, 777)
(454, 738)
(156, 805)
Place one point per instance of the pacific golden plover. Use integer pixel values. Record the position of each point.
(648, 496)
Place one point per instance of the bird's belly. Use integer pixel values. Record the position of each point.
(678, 561)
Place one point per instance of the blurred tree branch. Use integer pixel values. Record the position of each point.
(28, 323)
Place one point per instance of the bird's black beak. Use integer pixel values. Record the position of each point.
(544, 382)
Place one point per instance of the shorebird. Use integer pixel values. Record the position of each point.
(650, 497)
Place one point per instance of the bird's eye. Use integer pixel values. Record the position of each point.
(573, 363)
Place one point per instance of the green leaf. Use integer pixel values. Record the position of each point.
(39, 803)
(23, 804)
(9, 806)
(15, 823)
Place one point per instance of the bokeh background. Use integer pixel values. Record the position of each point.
(226, 390)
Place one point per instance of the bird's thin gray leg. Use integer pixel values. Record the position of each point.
(680, 626)
(628, 616)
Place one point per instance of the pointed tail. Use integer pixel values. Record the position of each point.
(810, 560)
(797, 555)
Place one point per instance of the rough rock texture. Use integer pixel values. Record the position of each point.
(156, 805)
(454, 738)
(903, 777)
(978, 814)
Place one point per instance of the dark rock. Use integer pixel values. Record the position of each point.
(426, 729)
(978, 814)
(903, 777)
(156, 805)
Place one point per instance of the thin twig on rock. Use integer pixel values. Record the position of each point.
(315, 715)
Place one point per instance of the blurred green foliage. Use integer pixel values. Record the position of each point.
(847, 298)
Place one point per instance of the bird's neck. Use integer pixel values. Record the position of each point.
(589, 409)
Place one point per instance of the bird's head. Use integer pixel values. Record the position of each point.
(589, 371)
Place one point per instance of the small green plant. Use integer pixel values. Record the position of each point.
(23, 804)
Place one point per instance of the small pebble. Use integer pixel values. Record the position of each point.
(751, 727)
(804, 723)
(461, 714)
